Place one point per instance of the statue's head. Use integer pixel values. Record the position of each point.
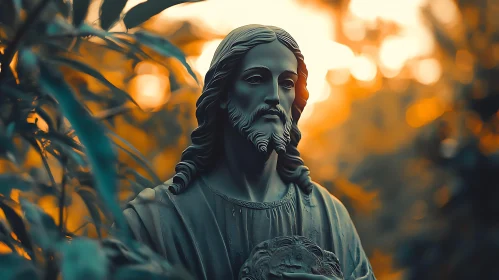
(257, 83)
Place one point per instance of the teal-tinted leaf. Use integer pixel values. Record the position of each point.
(145, 10)
(63, 7)
(141, 180)
(135, 154)
(62, 145)
(80, 10)
(110, 12)
(17, 225)
(92, 135)
(27, 59)
(139, 272)
(91, 201)
(7, 147)
(13, 181)
(32, 141)
(15, 267)
(42, 228)
(163, 47)
(18, 5)
(64, 139)
(84, 68)
(87, 30)
(136, 187)
(14, 93)
(83, 259)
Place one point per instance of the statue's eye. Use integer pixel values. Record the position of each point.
(289, 84)
(255, 79)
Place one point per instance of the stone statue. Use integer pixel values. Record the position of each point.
(242, 196)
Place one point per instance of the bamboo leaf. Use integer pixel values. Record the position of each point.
(92, 135)
(42, 227)
(8, 182)
(83, 259)
(14, 267)
(91, 201)
(17, 225)
(80, 10)
(145, 10)
(85, 68)
(164, 47)
(135, 154)
(110, 12)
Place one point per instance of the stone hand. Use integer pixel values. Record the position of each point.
(306, 276)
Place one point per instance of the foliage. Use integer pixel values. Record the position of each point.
(45, 113)
(462, 242)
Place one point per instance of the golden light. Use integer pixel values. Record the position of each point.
(427, 71)
(338, 77)
(150, 91)
(424, 111)
(393, 53)
(146, 67)
(202, 62)
(364, 68)
(312, 26)
(402, 12)
(40, 123)
(444, 11)
(464, 60)
(354, 28)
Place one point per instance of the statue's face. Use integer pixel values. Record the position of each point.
(262, 94)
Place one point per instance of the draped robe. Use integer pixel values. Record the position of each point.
(211, 234)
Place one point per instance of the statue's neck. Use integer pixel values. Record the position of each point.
(244, 173)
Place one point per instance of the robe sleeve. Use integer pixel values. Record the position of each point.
(358, 266)
(154, 222)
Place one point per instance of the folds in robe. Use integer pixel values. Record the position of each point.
(211, 235)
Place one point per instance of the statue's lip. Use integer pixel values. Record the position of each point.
(272, 113)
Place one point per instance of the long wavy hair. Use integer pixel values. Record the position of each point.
(207, 141)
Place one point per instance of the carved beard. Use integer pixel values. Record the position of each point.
(260, 139)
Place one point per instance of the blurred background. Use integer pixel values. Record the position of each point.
(402, 124)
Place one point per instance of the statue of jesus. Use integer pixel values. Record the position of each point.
(242, 182)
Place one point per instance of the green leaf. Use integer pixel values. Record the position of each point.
(83, 259)
(17, 225)
(110, 12)
(64, 139)
(18, 6)
(85, 68)
(91, 201)
(145, 10)
(139, 179)
(15, 93)
(80, 10)
(46, 117)
(92, 135)
(42, 227)
(14, 267)
(163, 47)
(13, 181)
(136, 155)
(64, 146)
(7, 147)
(63, 7)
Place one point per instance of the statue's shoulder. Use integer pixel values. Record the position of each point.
(320, 193)
(161, 196)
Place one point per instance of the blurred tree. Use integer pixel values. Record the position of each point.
(462, 242)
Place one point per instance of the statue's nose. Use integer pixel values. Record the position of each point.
(272, 98)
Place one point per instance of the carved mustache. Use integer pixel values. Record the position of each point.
(268, 110)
